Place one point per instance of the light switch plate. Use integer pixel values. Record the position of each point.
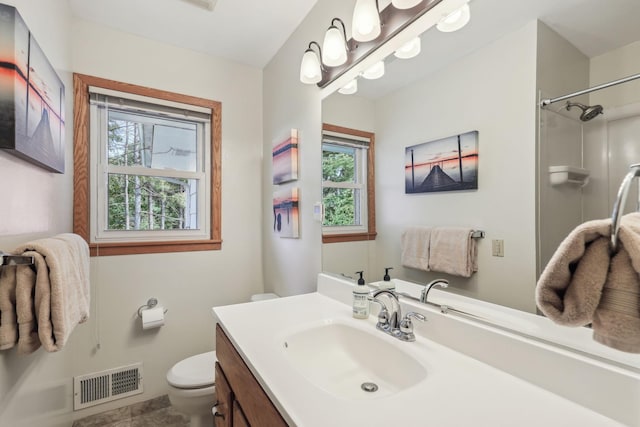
(497, 248)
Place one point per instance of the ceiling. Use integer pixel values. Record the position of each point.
(593, 26)
(252, 31)
(246, 31)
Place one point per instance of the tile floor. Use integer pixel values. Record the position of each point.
(151, 413)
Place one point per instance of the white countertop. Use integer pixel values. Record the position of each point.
(459, 391)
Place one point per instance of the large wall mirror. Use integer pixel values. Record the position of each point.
(489, 77)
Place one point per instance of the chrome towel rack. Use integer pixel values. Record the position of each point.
(621, 200)
(8, 259)
(477, 234)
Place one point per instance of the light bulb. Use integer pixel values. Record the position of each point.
(310, 72)
(350, 88)
(404, 4)
(334, 47)
(366, 21)
(409, 49)
(455, 20)
(375, 71)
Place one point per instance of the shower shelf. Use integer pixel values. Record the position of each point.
(568, 175)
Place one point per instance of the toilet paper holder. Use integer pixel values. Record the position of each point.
(152, 302)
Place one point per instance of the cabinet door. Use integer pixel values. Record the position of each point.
(238, 416)
(223, 398)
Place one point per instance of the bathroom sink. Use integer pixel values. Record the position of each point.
(352, 363)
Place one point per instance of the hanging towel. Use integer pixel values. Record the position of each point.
(60, 290)
(415, 247)
(8, 321)
(453, 251)
(584, 283)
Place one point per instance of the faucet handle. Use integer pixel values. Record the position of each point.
(406, 326)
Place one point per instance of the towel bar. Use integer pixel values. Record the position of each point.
(8, 259)
(477, 234)
(618, 205)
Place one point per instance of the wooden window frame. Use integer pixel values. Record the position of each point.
(82, 170)
(371, 233)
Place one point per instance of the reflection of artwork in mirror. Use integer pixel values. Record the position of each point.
(448, 164)
(285, 212)
(285, 158)
(31, 97)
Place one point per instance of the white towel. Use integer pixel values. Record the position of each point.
(453, 251)
(415, 247)
(60, 291)
(8, 321)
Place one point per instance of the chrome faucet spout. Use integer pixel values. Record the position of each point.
(438, 282)
(394, 313)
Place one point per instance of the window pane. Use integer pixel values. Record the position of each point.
(136, 202)
(338, 163)
(151, 141)
(341, 206)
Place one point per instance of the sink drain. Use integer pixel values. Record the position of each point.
(369, 387)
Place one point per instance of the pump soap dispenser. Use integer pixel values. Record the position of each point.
(387, 283)
(361, 299)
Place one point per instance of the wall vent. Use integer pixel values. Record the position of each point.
(105, 386)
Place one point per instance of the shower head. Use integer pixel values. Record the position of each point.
(588, 112)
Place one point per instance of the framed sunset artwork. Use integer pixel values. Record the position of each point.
(285, 158)
(31, 97)
(447, 164)
(286, 212)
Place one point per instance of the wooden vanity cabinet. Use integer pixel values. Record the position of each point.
(241, 400)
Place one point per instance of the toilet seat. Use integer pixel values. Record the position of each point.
(193, 372)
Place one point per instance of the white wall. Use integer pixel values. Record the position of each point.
(34, 389)
(561, 69)
(291, 265)
(189, 283)
(491, 91)
(614, 65)
(37, 390)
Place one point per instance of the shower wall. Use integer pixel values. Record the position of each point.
(606, 145)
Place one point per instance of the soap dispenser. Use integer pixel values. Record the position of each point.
(387, 283)
(361, 299)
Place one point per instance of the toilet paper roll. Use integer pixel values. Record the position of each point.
(152, 317)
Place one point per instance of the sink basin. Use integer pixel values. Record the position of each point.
(349, 362)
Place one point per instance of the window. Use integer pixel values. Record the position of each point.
(147, 168)
(348, 193)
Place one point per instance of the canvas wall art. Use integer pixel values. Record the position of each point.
(286, 212)
(285, 158)
(447, 164)
(31, 96)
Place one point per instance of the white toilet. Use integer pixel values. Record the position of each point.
(191, 383)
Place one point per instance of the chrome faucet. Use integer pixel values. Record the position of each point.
(393, 323)
(388, 321)
(425, 292)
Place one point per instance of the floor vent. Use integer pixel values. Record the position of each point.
(100, 387)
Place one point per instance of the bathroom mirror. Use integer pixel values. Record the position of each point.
(489, 77)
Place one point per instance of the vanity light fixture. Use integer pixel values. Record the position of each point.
(375, 71)
(334, 47)
(311, 67)
(455, 20)
(408, 50)
(404, 4)
(350, 88)
(366, 20)
(341, 55)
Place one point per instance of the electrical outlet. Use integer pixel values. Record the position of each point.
(497, 248)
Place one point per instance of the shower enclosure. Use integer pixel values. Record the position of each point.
(601, 140)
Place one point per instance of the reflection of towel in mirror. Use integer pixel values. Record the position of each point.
(453, 251)
(584, 284)
(415, 247)
(60, 291)
(8, 322)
